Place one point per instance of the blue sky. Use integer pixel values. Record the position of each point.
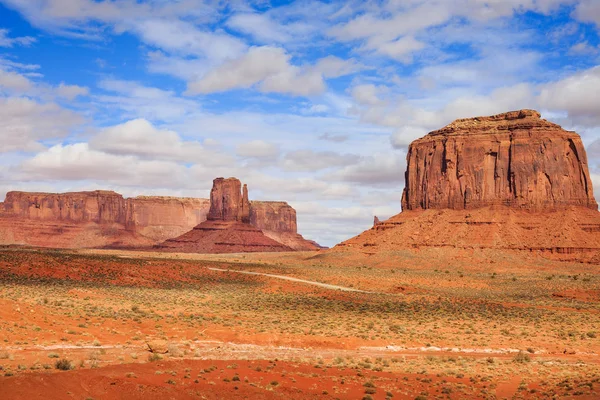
(309, 102)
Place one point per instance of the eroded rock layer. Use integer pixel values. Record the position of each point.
(228, 228)
(509, 181)
(514, 159)
(106, 218)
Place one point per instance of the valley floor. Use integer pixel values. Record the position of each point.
(432, 323)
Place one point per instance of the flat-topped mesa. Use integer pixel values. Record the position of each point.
(514, 159)
(100, 206)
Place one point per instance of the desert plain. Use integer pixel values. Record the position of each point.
(415, 324)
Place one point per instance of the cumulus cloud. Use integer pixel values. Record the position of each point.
(367, 94)
(309, 160)
(70, 92)
(140, 138)
(270, 70)
(376, 170)
(588, 11)
(258, 149)
(268, 65)
(578, 95)
(78, 162)
(14, 82)
(185, 38)
(26, 122)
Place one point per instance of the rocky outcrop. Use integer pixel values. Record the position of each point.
(277, 220)
(514, 159)
(508, 181)
(276, 216)
(228, 202)
(106, 218)
(227, 228)
(160, 218)
(98, 206)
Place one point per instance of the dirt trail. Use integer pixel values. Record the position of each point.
(288, 278)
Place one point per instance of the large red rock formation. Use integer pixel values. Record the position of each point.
(228, 202)
(514, 159)
(95, 219)
(227, 228)
(277, 220)
(510, 181)
(105, 218)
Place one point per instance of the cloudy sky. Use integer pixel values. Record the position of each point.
(309, 102)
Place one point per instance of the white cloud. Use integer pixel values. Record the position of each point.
(588, 11)
(309, 160)
(578, 95)
(583, 49)
(256, 65)
(139, 101)
(270, 70)
(376, 170)
(140, 138)
(185, 38)
(294, 81)
(405, 135)
(6, 41)
(258, 149)
(78, 162)
(367, 94)
(333, 67)
(400, 49)
(70, 92)
(25, 122)
(14, 81)
(259, 26)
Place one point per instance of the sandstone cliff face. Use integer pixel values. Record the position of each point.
(275, 216)
(509, 181)
(227, 228)
(105, 218)
(513, 159)
(97, 206)
(160, 218)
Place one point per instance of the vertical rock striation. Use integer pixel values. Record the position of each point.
(513, 159)
(507, 181)
(227, 228)
(105, 218)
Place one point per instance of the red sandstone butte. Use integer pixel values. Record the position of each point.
(227, 228)
(514, 159)
(105, 218)
(510, 181)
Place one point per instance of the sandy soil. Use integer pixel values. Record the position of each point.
(414, 324)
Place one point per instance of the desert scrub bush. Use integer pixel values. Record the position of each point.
(53, 355)
(154, 357)
(521, 358)
(63, 364)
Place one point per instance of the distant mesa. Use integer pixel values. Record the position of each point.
(102, 218)
(512, 180)
(227, 228)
